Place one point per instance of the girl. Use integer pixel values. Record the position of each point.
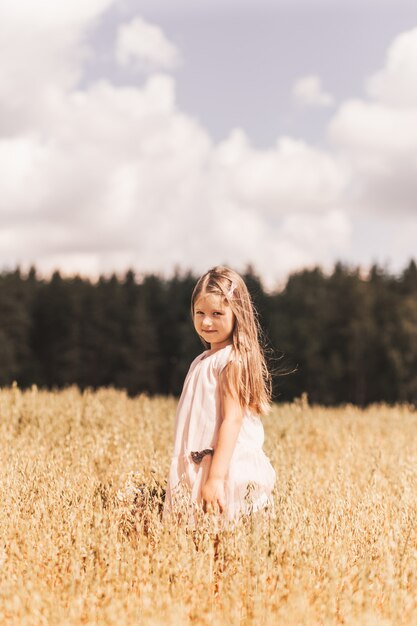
(218, 465)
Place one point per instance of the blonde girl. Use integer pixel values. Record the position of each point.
(218, 464)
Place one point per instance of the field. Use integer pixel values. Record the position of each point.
(341, 550)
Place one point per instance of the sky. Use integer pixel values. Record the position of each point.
(178, 135)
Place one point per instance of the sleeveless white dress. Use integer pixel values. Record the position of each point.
(250, 478)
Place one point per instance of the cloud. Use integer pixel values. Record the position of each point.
(145, 46)
(308, 91)
(123, 178)
(43, 48)
(102, 177)
(290, 177)
(105, 177)
(378, 136)
(396, 84)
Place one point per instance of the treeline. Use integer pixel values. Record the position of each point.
(339, 337)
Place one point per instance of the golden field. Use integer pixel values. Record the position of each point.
(341, 550)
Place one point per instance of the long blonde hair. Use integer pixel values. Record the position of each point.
(247, 373)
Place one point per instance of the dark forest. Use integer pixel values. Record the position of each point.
(338, 337)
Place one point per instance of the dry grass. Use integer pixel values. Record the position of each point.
(342, 549)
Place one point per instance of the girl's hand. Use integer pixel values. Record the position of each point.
(213, 494)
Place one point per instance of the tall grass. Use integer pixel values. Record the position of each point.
(74, 549)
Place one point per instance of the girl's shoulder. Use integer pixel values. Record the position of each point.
(221, 358)
(216, 360)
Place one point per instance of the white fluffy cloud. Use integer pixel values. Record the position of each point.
(396, 84)
(290, 177)
(105, 177)
(145, 45)
(42, 47)
(308, 91)
(378, 136)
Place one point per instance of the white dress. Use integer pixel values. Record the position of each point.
(250, 478)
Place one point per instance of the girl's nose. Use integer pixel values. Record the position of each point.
(206, 323)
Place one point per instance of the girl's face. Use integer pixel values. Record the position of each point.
(214, 320)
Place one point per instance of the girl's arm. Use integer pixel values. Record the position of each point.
(213, 489)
